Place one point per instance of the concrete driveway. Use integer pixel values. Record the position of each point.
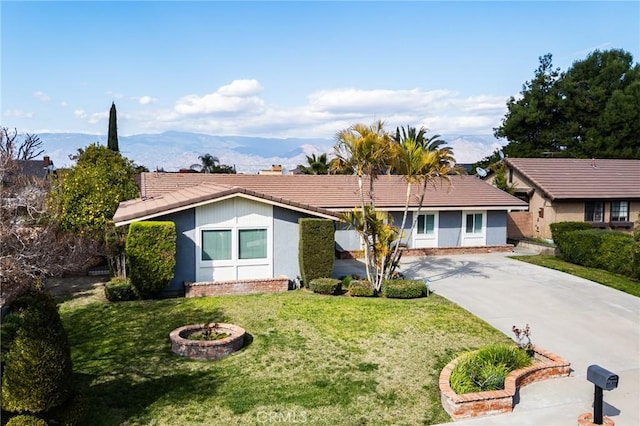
(582, 321)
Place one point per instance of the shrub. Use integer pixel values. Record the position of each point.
(487, 368)
(635, 251)
(560, 229)
(119, 289)
(595, 248)
(26, 420)
(37, 373)
(403, 289)
(316, 249)
(71, 413)
(151, 250)
(361, 288)
(325, 285)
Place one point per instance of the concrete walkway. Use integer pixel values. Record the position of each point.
(582, 321)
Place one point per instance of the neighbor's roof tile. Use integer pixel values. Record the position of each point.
(575, 178)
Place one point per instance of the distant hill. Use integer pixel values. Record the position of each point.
(174, 150)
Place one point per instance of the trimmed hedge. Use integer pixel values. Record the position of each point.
(635, 251)
(325, 285)
(316, 249)
(26, 420)
(37, 373)
(151, 250)
(560, 229)
(71, 413)
(595, 248)
(403, 289)
(119, 289)
(361, 288)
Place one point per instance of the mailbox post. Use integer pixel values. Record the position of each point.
(602, 379)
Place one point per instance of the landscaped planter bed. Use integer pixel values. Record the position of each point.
(182, 345)
(546, 365)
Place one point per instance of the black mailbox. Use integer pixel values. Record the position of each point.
(602, 378)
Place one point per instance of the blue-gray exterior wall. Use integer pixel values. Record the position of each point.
(346, 239)
(185, 250)
(450, 228)
(496, 227)
(285, 242)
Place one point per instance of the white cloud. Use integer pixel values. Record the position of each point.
(96, 117)
(41, 96)
(114, 94)
(64, 104)
(146, 100)
(353, 100)
(18, 113)
(80, 113)
(237, 97)
(241, 88)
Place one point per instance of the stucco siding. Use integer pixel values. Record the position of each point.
(450, 228)
(347, 239)
(185, 250)
(496, 227)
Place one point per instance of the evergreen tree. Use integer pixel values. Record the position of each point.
(112, 139)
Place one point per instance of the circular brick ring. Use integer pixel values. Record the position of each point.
(207, 349)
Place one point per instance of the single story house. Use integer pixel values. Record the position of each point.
(240, 227)
(603, 192)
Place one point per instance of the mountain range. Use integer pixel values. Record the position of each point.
(171, 151)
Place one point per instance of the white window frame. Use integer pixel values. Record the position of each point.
(421, 240)
(235, 247)
(626, 209)
(474, 238)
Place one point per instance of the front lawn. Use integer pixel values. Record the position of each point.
(619, 282)
(311, 359)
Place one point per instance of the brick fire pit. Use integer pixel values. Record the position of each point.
(206, 349)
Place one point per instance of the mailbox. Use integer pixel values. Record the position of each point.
(602, 378)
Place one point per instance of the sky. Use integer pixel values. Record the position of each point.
(287, 69)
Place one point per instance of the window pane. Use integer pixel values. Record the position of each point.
(469, 224)
(593, 211)
(216, 244)
(421, 224)
(619, 211)
(252, 244)
(430, 223)
(478, 223)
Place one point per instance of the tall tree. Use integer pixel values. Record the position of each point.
(591, 110)
(112, 138)
(316, 165)
(364, 151)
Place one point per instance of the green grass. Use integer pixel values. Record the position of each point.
(312, 358)
(609, 279)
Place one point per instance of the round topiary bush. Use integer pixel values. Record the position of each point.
(403, 289)
(26, 420)
(37, 373)
(361, 288)
(487, 368)
(71, 413)
(325, 285)
(119, 289)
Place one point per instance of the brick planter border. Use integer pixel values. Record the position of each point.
(226, 288)
(206, 349)
(546, 365)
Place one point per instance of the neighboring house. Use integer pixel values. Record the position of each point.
(603, 192)
(235, 227)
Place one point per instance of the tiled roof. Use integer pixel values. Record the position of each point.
(574, 178)
(323, 194)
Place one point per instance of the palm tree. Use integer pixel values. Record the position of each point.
(209, 163)
(364, 151)
(419, 159)
(316, 165)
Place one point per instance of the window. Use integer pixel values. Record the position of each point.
(619, 211)
(594, 211)
(474, 223)
(426, 224)
(216, 244)
(252, 244)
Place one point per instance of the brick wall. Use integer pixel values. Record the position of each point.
(519, 225)
(476, 404)
(224, 288)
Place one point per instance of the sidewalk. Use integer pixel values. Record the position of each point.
(582, 321)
